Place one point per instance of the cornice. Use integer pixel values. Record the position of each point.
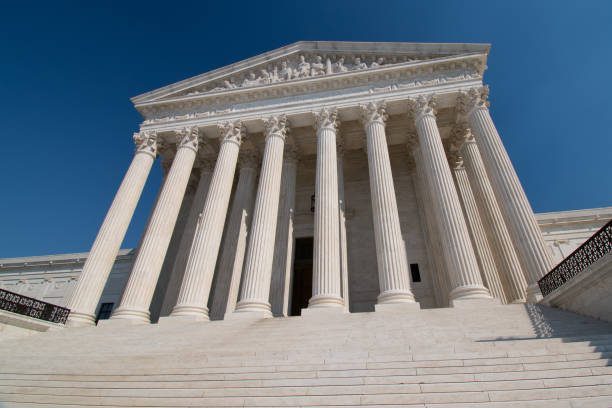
(214, 103)
(320, 47)
(57, 260)
(299, 109)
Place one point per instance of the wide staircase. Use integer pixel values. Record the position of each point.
(500, 356)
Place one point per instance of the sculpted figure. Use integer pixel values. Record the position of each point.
(377, 63)
(303, 68)
(359, 65)
(265, 77)
(317, 67)
(250, 80)
(228, 84)
(340, 65)
(286, 73)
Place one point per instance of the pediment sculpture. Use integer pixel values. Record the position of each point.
(300, 68)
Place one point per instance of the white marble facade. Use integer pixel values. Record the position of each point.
(356, 161)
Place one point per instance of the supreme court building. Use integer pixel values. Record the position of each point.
(321, 177)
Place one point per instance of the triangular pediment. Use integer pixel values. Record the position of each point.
(306, 60)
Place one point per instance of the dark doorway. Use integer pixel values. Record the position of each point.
(302, 275)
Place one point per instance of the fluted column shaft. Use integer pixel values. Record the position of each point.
(283, 249)
(342, 219)
(195, 288)
(180, 263)
(231, 259)
(516, 210)
(390, 248)
(257, 273)
(437, 265)
(86, 294)
(487, 265)
(326, 249)
(139, 290)
(466, 282)
(506, 259)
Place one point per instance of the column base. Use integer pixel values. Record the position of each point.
(135, 315)
(397, 307)
(534, 295)
(325, 301)
(251, 309)
(469, 292)
(182, 319)
(76, 319)
(474, 303)
(112, 322)
(323, 311)
(190, 312)
(395, 296)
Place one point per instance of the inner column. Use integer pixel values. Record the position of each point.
(326, 255)
(390, 249)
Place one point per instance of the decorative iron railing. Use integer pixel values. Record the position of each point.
(27, 306)
(585, 255)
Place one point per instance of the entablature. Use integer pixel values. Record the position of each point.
(315, 90)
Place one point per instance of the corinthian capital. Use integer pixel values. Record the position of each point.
(187, 137)
(146, 142)
(460, 134)
(374, 112)
(276, 126)
(326, 119)
(231, 131)
(474, 98)
(455, 160)
(422, 106)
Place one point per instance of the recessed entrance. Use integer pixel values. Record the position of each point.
(302, 275)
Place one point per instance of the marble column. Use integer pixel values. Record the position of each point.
(283, 249)
(466, 282)
(86, 294)
(174, 246)
(326, 241)
(495, 228)
(138, 292)
(434, 246)
(342, 219)
(206, 167)
(390, 248)
(229, 271)
(532, 252)
(484, 255)
(195, 288)
(257, 273)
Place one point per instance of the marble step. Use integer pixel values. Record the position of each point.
(187, 359)
(387, 361)
(155, 391)
(403, 398)
(322, 377)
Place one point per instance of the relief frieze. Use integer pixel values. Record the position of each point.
(377, 84)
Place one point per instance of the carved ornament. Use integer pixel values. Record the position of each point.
(326, 118)
(422, 106)
(277, 125)
(374, 112)
(231, 131)
(187, 137)
(146, 142)
(474, 98)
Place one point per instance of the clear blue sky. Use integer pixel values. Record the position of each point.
(67, 73)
